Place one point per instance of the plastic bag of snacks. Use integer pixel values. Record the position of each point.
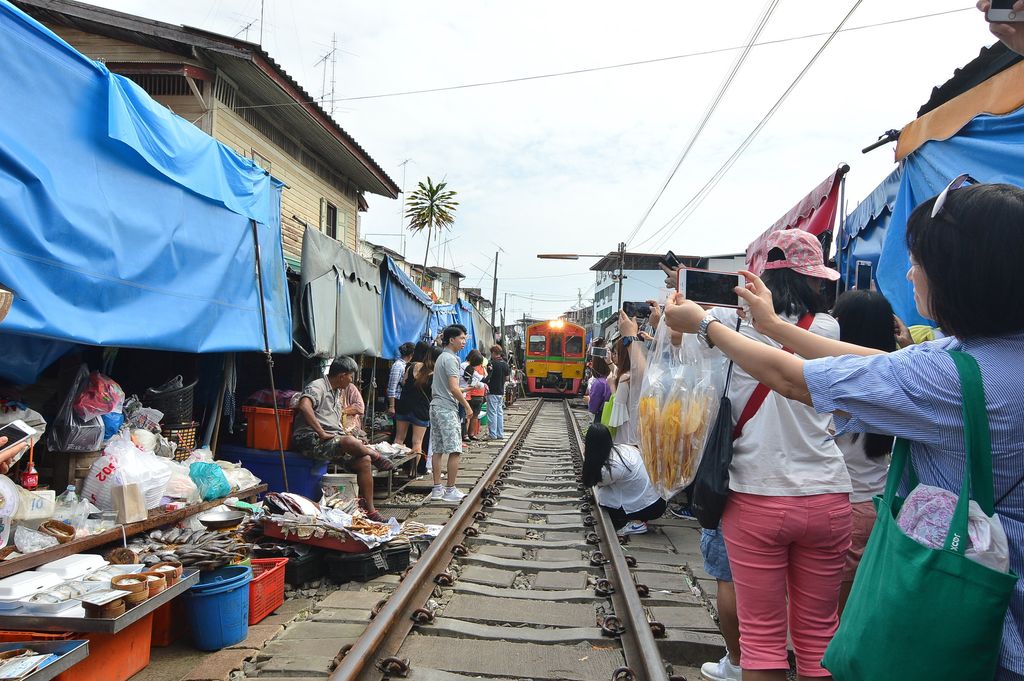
(678, 404)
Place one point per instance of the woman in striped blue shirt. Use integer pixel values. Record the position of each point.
(967, 249)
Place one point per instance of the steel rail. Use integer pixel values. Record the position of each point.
(383, 637)
(638, 645)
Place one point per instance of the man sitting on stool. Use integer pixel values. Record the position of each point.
(323, 438)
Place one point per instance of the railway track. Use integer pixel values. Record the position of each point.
(527, 580)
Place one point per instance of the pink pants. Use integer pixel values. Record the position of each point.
(783, 547)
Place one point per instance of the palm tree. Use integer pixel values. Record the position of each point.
(430, 207)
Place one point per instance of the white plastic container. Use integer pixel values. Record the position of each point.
(73, 567)
(48, 608)
(19, 586)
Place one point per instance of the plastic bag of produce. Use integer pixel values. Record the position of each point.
(69, 432)
(678, 403)
(210, 480)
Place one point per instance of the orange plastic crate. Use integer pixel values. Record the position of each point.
(261, 433)
(9, 636)
(266, 590)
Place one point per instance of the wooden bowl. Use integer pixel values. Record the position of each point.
(121, 556)
(107, 610)
(131, 583)
(156, 581)
(60, 531)
(170, 570)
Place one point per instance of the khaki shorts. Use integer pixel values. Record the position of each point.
(445, 431)
(311, 446)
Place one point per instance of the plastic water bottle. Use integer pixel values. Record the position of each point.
(67, 507)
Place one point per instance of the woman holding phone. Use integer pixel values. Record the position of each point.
(786, 526)
(965, 249)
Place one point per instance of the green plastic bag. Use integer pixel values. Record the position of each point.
(606, 414)
(483, 415)
(922, 614)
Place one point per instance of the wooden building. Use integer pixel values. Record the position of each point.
(236, 92)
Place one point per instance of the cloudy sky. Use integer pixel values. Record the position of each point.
(571, 163)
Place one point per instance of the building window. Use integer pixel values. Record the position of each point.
(328, 218)
(331, 223)
(260, 160)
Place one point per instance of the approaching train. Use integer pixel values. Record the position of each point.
(555, 358)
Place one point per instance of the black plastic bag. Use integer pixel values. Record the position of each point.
(70, 433)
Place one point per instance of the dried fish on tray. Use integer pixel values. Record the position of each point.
(200, 549)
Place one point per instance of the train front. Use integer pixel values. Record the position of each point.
(555, 358)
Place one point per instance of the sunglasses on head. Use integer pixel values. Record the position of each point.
(958, 181)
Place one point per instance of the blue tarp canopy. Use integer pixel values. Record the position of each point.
(864, 229)
(990, 148)
(123, 224)
(457, 313)
(406, 308)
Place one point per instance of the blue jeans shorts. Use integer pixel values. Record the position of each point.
(716, 560)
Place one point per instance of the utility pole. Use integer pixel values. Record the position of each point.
(401, 206)
(494, 290)
(622, 264)
(262, 2)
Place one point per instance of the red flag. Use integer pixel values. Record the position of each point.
(815, 213)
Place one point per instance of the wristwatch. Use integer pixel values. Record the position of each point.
(702, 330)
(626, 340)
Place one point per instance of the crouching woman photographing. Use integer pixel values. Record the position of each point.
(623, 487)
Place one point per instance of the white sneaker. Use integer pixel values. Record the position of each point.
(723, 670)
(634, 527)
(452, 494)
(436, 493)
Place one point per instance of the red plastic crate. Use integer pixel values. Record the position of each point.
(261, 432)
(266, 590)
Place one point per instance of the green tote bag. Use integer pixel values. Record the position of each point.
(922, 614)
(606, 414)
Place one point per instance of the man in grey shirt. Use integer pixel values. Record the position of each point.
(445, 423)
(319, 434)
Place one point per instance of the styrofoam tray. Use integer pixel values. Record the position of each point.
(48, 608)
(25, 584)
(73, 567)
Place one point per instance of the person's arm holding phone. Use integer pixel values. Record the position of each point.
(9, 453)
(807, 344)
(1004, 26)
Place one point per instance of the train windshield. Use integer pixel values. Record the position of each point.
(538, 345)
(555, 345)
(574, 346)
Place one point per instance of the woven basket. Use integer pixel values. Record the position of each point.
(184, 435)
(176, 405)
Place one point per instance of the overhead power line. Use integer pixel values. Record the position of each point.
(610, 67)
(682, 215)
(755, 33)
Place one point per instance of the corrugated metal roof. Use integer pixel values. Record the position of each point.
(252, 69)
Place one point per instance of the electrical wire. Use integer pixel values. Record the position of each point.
(609, 67)
(755, 33)
(684, 213)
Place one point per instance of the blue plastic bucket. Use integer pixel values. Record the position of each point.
(218, 608)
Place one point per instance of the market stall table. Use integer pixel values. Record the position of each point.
(28, 561)
(70, 652)
(399, 462)
(103, 625)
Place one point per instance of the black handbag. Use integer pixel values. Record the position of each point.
(711, 484)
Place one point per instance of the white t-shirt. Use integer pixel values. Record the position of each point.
(866, 475)
(785, 450)
(626, 484)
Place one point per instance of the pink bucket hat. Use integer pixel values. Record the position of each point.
(803, 254)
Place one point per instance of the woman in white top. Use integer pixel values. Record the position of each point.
(787, 522)
(623, 487)
(866, 319)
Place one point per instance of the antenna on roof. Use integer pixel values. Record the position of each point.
(245, 30)
(333, 56)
